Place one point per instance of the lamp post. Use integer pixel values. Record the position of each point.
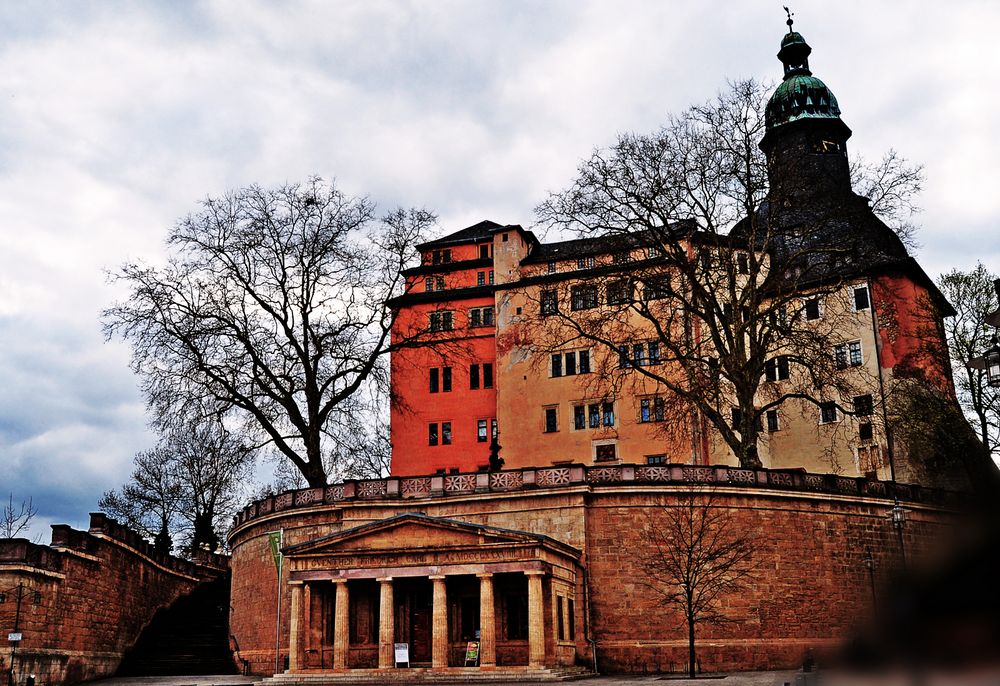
(990, 359)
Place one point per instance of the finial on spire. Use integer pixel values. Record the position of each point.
(790, 21)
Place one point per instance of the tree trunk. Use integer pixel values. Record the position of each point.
(691, 662)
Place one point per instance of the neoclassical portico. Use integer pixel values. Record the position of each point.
(435, 585)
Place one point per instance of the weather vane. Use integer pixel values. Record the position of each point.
(790, 15)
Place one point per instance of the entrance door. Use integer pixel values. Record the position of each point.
(420, 626)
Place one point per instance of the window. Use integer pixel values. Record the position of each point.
(656, 459)
(484, 251)
(446, 379)
(552, 267)
(570, 363)
(441, 321)
(434, 380)
(482, 427)
(813, 309)
(432, 434)
(772, 421)
(549, 302)
(604, 453)
(493, 429)
(654, 352)
(657, 287)
(655, 251)
(639, 355)
(434, 283)
(861, 299)
(864, 405)
(585, 263)
(742, 263)
(504, 237)
(651, 410)
(579, 417)
(429, 283)
(608, 413)
(848, 354)
(445, 433)
(516, 614)
(480, 278)
(441, 256)
(621, 257)
(776, 369)
(623, 359)
(583, 297)
(594, 416)
(865, 431)
(827, 413)
(480, 316)
(551, 420)
(737, 419)
(559, 618)
(486, 369)
(491, 277)
(619, 292)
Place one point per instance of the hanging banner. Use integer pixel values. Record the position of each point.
(274, 537)
(472, 654)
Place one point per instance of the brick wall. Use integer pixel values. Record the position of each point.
(86, 598)
(810, 587)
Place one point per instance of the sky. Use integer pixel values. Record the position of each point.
(116, 118)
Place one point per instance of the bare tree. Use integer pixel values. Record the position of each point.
(272, 306)
(696, 555)
(724, 262)
(974, 296)
(151, 501)
(891, 186)
(14, 519)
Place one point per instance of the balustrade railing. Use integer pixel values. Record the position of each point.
(597, 476)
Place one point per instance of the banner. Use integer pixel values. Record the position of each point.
(274, 537)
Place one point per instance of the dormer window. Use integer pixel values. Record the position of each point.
(441, 256)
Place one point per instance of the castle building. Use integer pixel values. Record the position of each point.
(556, 350)
(543, 569)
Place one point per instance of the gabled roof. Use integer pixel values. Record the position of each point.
(470, 234)
(422, 531)
(597, 245)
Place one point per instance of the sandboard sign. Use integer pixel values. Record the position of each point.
(402, 651)
(472, 654)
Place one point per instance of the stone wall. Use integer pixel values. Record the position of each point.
(809, 589)
(86, 598)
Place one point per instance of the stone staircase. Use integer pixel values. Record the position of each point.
(189, 637)
(452, 675)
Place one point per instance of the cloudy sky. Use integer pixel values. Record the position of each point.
(117, 117)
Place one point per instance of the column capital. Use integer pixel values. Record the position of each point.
(294, 582)
(437, 577)
(485, 575)
(534, 572)
(338, 581)
(384, 579)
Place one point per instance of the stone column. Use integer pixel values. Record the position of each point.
(295, 628)
(341, 625)
(439, 624)
(536, 620)
(386, 630)
(487, 623)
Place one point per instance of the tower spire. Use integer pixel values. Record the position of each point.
(790, 21)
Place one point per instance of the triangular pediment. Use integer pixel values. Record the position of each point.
(411, 531)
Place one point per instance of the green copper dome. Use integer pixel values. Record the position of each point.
(801, 95)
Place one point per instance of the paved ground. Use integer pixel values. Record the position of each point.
(982, 678)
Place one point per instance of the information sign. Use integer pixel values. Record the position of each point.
(472, 654)
(402, 651)
(14, 638)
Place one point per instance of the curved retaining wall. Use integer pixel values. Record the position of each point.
(811, 585)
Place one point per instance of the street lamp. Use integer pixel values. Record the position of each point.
(992, 360)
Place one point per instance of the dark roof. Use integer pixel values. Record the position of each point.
(597, 245)
(470, 234)
(448, 294)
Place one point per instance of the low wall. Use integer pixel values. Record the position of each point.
(85, 598)
(812, 534)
